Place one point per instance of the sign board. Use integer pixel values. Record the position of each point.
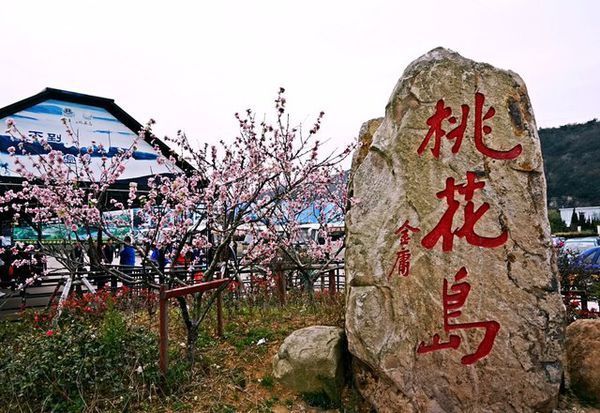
(92, 126)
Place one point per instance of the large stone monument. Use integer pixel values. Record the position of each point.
(453, 302)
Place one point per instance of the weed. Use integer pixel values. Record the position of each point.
(267, 381)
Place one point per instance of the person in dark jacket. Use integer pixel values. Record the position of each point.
(108, 252)
(77, 255)
(93, 256)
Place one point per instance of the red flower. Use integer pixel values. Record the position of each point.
(233, 286)
(49, 333)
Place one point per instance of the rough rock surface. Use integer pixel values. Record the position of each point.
(583, 358)
(311, 360)
(393, 311)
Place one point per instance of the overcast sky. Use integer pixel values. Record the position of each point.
(192, 65)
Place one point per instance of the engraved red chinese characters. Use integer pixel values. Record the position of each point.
(403, 254)
(444, 228)
(453, 300)
(443, 112)
(435, 129)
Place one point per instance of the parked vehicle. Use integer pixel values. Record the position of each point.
(588, 260)
(578, 245)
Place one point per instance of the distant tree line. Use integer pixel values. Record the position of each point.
(572, 164)
(587, 224)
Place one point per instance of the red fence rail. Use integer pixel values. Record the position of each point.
(164, 297)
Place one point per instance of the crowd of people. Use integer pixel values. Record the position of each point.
(94, 257)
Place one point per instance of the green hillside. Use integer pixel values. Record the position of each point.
(572, 163)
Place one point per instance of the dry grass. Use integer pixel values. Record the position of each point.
(233, 373)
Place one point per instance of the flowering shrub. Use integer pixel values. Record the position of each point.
(260, 290)
(88, 304)
(89, 307)
(96, 364)
(261, 284)
(577, 284)
(574, 311)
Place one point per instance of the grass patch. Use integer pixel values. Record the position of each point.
(242, 339)
(267, 381)
(97, 360)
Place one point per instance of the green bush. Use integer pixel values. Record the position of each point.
(103, 366)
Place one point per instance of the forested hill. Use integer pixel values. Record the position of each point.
(572, 163)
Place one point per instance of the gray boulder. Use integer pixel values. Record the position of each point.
(310, 360)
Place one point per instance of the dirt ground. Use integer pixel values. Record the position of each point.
(233, 373)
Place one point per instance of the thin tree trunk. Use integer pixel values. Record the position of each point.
(192, 337)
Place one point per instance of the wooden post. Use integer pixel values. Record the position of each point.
(332, 286)
(584, 300)
(113, 282)
(280, 279)
(219, 313)
(163, 315)
(163, 331)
